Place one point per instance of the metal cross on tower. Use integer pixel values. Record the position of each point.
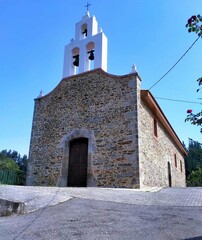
(87, 6)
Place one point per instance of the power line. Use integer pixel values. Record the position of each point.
(178, 100)
(174, 64)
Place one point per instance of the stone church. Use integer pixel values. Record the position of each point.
(96, 129)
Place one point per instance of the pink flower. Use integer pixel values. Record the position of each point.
(189, 21)
(189, 111)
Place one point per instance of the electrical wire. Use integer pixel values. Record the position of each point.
(178, 100)
(174, 64)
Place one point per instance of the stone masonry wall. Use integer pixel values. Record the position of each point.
(155, 153)
(96, 105)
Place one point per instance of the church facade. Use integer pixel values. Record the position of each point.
(96, 129)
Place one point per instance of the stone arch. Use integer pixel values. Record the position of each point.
(65, 145)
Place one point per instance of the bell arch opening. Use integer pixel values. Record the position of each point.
(75, 59)
(90, 56)
(84, 31)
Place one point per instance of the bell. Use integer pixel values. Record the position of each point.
(76, 61)
(85, 32)
(91, 56)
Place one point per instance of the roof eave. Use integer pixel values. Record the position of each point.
(158, 113)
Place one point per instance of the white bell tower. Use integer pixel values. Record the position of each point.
(88, 50)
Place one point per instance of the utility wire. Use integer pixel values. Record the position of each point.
(175, 63)
(177, 100)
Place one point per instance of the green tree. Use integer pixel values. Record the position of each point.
(12, 167)
(194, 24)
(8, 163)
(21, 161)
(195, 178)
(193, 163)
(194, 158)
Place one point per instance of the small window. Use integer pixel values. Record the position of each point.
(181, 165)
(155, 128)
(175, 159)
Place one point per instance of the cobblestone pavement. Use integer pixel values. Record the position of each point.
(181, 197)
(39, 197)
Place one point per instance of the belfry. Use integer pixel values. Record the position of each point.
(88, 50)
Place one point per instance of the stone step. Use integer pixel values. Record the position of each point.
(9, 207)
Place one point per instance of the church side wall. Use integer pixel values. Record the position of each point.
(97, 104)
(156, 152)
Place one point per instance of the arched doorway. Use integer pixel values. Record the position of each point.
(169, 175)
(78, 161)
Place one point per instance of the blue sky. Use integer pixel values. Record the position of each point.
(150, 34)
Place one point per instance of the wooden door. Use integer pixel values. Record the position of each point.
(169, 175)
(78, 156)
